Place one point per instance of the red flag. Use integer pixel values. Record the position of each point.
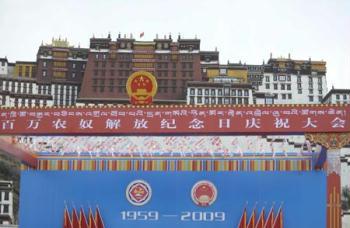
(83, 222)
(142, 34)
(243, 221)
(98, 219)
(92, 223)
(67, 222)
(75, 219)
(279, 219)
(269, 220)
(261, 220)
(251, 223)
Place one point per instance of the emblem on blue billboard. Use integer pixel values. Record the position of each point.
(204, 193)
(138, 192)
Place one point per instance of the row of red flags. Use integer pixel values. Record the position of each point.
(82, 221)
(271, 221)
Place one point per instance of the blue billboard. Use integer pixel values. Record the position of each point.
(171, 199)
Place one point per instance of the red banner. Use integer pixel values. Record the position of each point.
(287, 119)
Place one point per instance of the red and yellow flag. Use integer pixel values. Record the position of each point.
(251, 222)
(243, 221)
(269, 220)
(261, 220)
(75, 219)
(67, 222)
(82, 217)
(98, 219)
(92, 223)
(278, 223)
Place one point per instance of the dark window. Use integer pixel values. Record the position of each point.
(220, 100)
(31, 88)
(199, 92)
(5, 209)
(275, 86)
(227, 91)
(311, 98)
(289, 87)
(267, 86)
(7, 194)
(191, 100)
(226, 100)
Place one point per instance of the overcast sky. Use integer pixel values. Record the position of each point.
(246, 30)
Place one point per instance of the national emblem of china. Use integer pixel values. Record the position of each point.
(141, 87)
(138, 192)
(204, 193)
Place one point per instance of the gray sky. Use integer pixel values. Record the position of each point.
(241, 30)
